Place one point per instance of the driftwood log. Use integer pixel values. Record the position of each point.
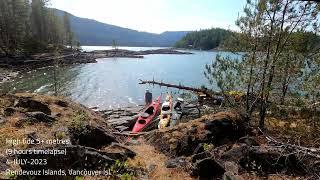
(197, 90)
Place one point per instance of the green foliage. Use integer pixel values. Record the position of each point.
(207, 147)
(305, 113)
(79, 178)
(13, 19)
(225, 72)
(120, 168)
(281, 48)
(304, 41)
(28, 27)
(126, 176)
(67, 27)
(12, 175)
(299, 102)
(60, 135)
(114, 45)
(204, 39)
(311, 79)
(79, 122)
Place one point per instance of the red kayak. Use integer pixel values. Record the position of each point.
(147, 116)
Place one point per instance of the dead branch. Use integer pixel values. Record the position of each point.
(313, 152)
(198, 90)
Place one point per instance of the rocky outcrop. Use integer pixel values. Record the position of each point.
(92, 136)
(30, 105)
(189, 144)
(121, 119)
(7, 75)
(2, 120)
(35, 117)
(89, 142)
(9, 111)
(185, 138)
(77, 57)
(224, 146)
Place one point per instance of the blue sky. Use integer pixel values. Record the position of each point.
(157, 15)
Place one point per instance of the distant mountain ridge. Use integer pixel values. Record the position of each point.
(92, 32)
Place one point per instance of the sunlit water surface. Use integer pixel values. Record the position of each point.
(114, 82)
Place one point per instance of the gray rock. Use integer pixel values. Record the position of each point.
(124, 121)
(93, 136)
(114, 116)
(62, 129)
(3, 163)
(21, 122)
(109, 112)
(61, 103)
(9, 111)
(231, 176)
(152, 167)
(2, 120)
(207, 168)
(177, 162)
(121, 128)
(230, 166)
(133, 142)
(127, 151)
(34, 137)
(39, 117)
(32, 105)
(56, 115)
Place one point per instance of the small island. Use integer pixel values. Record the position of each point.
(10, 66)
(114, 53)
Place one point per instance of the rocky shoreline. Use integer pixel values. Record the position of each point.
(114, 53)
(6, 75)
(123, 119)
(10, 66)
(78, 57)
(214, 146)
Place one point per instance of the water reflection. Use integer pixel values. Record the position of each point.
(114, 82)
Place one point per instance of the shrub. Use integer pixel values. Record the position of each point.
(121, 168)
(79, 122)
(305, 113)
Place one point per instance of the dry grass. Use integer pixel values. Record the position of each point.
(252, 176)
(9, 133)
(43, 130)
(296, 131)
(147, 156)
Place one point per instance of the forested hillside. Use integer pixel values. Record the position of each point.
(204, 39)
(91, 32)
(29, 27)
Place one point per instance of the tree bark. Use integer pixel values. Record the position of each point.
(250, 80)
(263, 102)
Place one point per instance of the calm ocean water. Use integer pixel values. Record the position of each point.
(113, 82)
